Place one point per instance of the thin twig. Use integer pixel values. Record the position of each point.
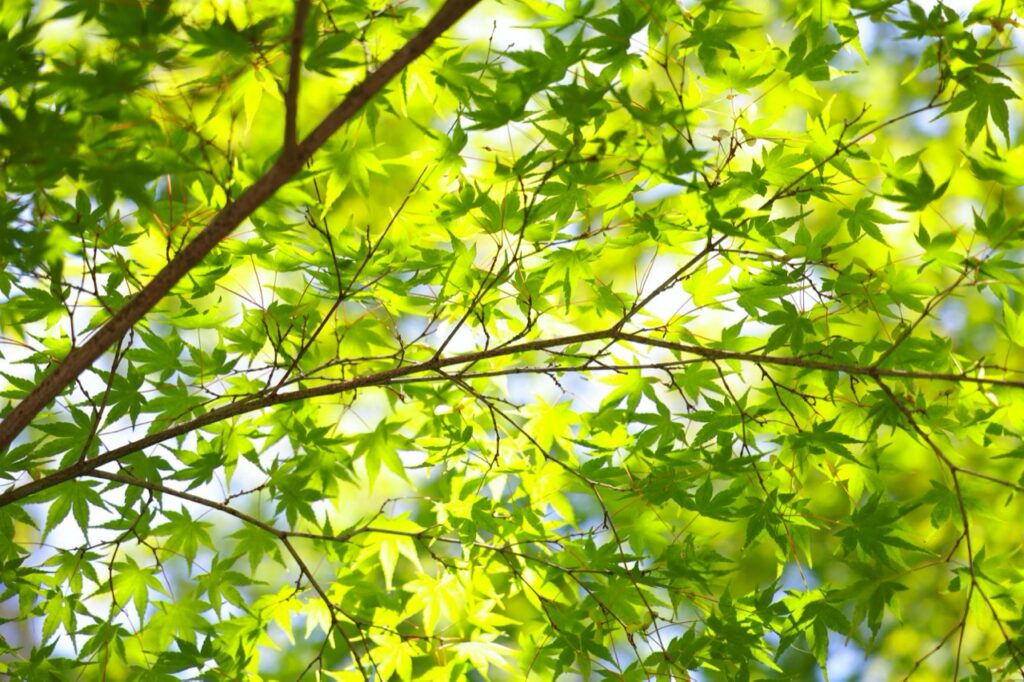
(223, 224)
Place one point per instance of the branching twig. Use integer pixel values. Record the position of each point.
(385, 377)
(223, 224)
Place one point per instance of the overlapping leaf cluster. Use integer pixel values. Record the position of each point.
(625, 340)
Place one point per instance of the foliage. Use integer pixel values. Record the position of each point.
(590, 340)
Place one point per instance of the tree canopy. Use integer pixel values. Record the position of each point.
(506, 339)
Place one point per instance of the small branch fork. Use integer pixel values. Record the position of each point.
(506, 552)
(293, 155)
(387, 377)
(227, 219)
(955, 471)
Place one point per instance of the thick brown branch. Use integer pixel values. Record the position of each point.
(291, 97)
(386, 377)
(268, 400)
(229, 218)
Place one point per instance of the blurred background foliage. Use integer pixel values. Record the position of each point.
(701, 186)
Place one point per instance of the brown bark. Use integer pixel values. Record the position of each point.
(230, 217)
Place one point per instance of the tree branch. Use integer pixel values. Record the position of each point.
(291, 96)
(954, 471)
(225, 222)
(189, 497)
(805, 363)
(386, 377)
